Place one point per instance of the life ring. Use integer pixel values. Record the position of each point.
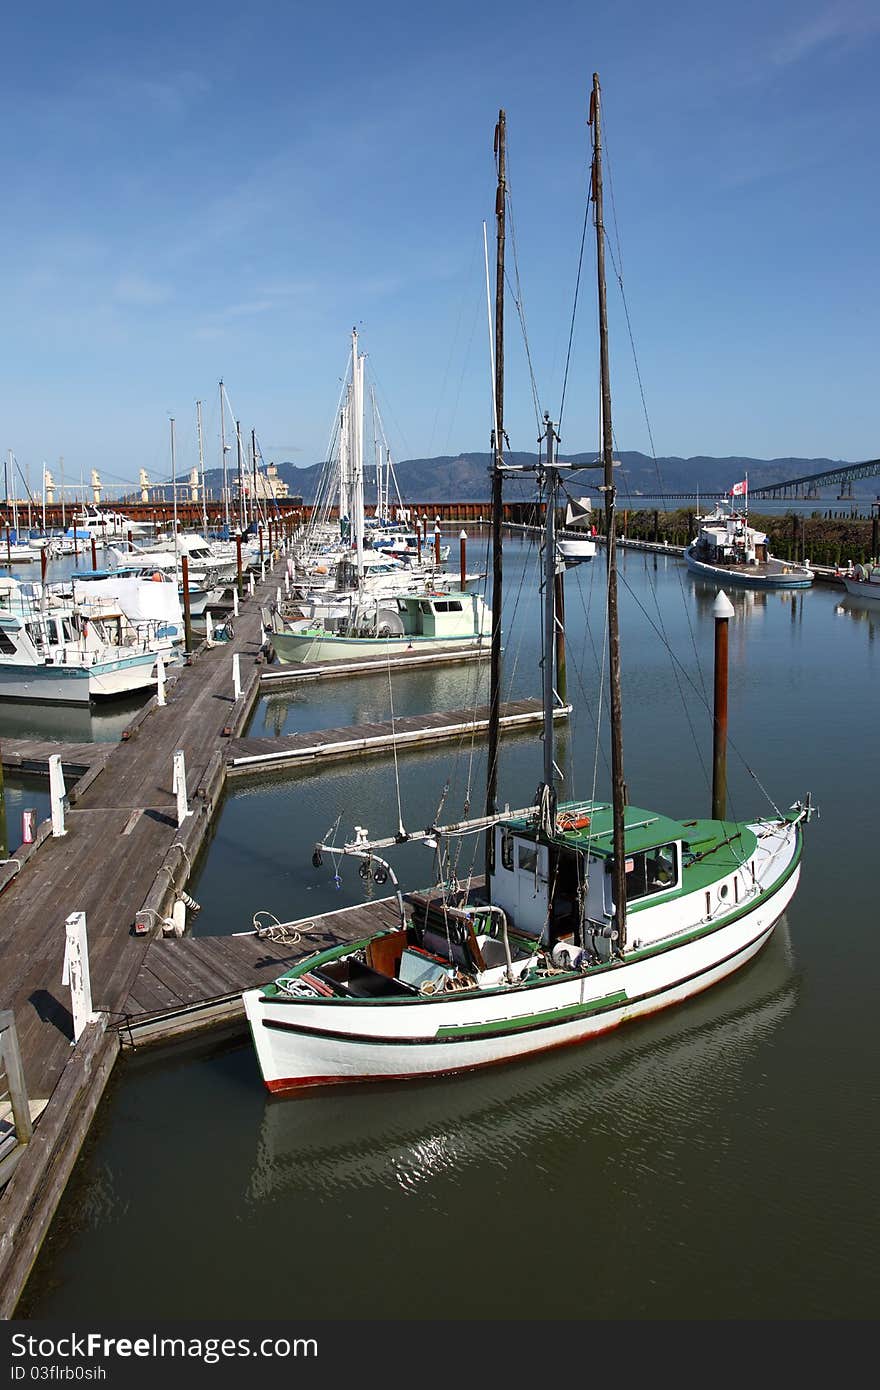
(570, 820)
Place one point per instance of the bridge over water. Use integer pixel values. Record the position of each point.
(807, 486)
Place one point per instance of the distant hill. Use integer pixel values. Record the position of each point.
(465, 477)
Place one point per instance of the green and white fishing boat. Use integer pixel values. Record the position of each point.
(384, 625)
(592, 913)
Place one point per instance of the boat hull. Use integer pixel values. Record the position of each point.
(77, 685)
(776, 575)
(310, 649)
(863, 588)
(302, 1043)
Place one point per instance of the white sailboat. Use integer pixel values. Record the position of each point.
(593, 913)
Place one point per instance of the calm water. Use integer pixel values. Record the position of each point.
(715, 1161)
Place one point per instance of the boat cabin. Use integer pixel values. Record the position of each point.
(561, 890)
(725, 538)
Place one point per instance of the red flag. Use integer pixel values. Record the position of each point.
(740, 489)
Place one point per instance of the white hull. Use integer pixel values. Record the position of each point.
(77, 685)
(312, 650)
(774, 574)
(863, 588)
(312, 1042)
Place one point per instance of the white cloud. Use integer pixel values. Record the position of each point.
(841, 23)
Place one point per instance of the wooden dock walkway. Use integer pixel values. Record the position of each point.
(32, 755)
(249, 755)
(119, 861)
(189, 985)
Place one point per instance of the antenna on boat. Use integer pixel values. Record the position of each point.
(497, 466)
(618, 784)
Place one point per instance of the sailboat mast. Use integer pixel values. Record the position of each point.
(497, 464)
(223, 454)
(241, 509)
(551, 480)
(174, 489)
(202, 468)
(618, 784)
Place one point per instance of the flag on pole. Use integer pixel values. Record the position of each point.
(740, 489)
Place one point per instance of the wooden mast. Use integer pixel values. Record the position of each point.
(497, 501)
(618, 783)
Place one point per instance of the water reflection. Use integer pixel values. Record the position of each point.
(404, 1137)
(865, 611)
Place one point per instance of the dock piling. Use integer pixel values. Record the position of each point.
(75, 973)
(209, 629)
(56, 794)
(235, 603)
(160, 681)
(178, 786)
(236, 676)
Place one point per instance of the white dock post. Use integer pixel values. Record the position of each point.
(236, 675)
(209, 629)
(262, 571)
(160, 681)
(235, 602)
(178, 786)
(75, 972)
(287, 584)
(278, 596)
(56, 794)
(290, 569)
(251, 583)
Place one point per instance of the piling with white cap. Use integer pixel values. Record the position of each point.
(56, 794)
(160, 681)
(722, 612)
(178, 786)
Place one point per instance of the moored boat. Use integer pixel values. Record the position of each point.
(862, 581)
(730, 551)
(593, 913)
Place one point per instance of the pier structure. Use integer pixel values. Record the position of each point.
(116, 866)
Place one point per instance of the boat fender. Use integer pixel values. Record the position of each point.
(178, 916)
(317, 857)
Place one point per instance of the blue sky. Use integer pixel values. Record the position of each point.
(199, 191)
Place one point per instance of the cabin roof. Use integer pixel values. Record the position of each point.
(705, 840)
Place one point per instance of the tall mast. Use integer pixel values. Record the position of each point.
(63, 515)
(618, 784)
(202, 468)
(551, 480)
(497, 464)
(242, 522)
(174, 489)
(254, 499)
(358, 454)
(223, 455)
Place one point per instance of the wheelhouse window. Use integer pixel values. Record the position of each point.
(653, 871)
(527, 858)
(7, 646)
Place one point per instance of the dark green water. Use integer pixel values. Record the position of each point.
(716, 1161)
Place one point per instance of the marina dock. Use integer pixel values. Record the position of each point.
(122, 860)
